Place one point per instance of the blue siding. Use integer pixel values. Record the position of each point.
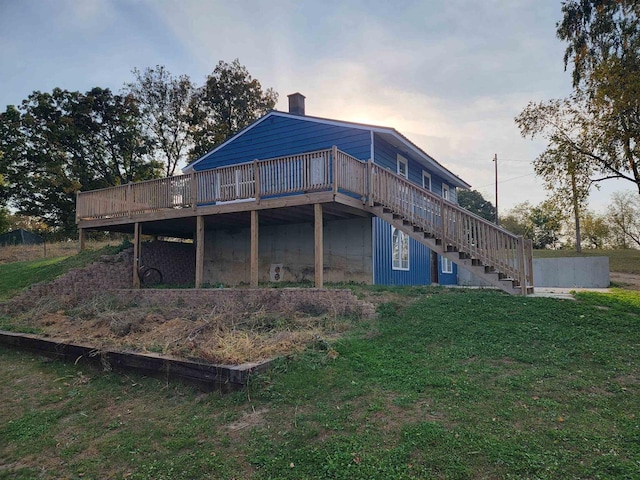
(386, 155)
(447, 278)
(384, 274)
(278, 136)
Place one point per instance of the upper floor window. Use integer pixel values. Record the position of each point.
(445, 191)
(426, 180)
(399, 249)
(402, 167)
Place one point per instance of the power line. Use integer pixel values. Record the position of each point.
(507, 180)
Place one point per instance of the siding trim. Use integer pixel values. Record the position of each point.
(372, 147)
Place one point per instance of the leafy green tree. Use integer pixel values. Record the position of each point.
(228, 102)
(596, 132)
(541, 223)
(165, 103)
(565, 169)
(473, 201)
(595, 229)
(56, 144)
(5, 224)
(547, 220)
(603, 39)
(624, 219)
(517, 220)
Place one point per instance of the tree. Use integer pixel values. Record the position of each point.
(595, 229)
(517, 220)
(5, 222)
(56, 144)
(547, 219)
(165, 103)
(624, 219)
(562, 165)
(473, 201)
(541, 223)
(32, 224)
(228, 102)
(603, 39)
(594, 135)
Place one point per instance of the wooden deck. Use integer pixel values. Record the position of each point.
(312, 186)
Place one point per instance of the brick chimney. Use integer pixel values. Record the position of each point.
(296, 103)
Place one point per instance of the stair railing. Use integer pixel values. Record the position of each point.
(458, 228)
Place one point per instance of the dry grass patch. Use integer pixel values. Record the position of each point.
(226, 334)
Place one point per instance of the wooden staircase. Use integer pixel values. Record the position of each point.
(489, 252)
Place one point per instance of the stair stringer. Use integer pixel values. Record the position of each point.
(486, 272)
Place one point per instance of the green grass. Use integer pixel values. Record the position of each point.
(622, 260)
(446, 384)
(16, 276)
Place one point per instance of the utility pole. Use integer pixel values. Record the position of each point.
(495, 159)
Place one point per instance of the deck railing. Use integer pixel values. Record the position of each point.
(323, 170)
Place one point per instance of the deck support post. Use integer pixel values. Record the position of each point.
(82, 237)
(254, 249)
(199, 251)
(318, 243)
(136, 254)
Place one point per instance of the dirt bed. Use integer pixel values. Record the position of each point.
(627, 280)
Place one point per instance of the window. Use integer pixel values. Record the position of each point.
(447, 265)
(445, 191)
(426, 180)
(399, 249)
(402, 167)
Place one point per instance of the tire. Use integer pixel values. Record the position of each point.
(150, 276)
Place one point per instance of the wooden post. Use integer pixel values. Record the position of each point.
(129, 199)
(443, 220)
(529, 255)
(334, 155)
(522, 275)
(194, 192)
(318, 243)
(254, 249)
(136, 254)
(81, 239)
(199, 251)
(256, 179)
(369, 189)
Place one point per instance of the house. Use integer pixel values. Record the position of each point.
(294, 197)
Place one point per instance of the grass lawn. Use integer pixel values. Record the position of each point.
(623, 260)
(445, 384)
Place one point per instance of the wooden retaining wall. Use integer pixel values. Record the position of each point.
(205, 375)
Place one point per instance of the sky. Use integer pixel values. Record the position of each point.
(451, 75)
